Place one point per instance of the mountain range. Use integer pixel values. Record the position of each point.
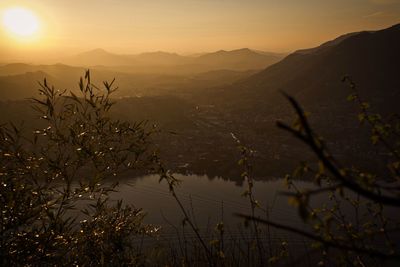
(206, 106)
(162, 62)
(144, 74)
(313, 75)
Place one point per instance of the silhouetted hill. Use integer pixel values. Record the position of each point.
(130, 84)
(53, 70)
(219, 77)
(240, 59)
(161, 58)
(21, 80)
(98, 57)
(327, 44)
(314, 75)
(19, 86)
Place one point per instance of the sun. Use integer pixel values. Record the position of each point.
(21, 22)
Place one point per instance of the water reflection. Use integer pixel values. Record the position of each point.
(210, 200)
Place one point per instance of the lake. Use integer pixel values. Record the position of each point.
(209, 201)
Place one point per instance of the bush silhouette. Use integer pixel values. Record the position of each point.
(54, 196)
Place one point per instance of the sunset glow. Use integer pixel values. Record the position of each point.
(21, 22)
(185, 27)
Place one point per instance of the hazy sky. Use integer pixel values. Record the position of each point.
(189, 26)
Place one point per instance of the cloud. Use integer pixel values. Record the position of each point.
(379, 15)
(384, 2)
(376, 15)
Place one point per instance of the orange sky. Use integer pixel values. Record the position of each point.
(189, 26)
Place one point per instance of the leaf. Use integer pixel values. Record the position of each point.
(365, 105)
(352, 97)
(361, 117)
(321, 167)
(375, 139)
(293, 201)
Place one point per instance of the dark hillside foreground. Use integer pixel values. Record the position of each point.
(314, 76)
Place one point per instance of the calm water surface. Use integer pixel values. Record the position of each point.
(209, 200)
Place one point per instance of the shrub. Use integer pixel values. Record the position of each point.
(54, 193)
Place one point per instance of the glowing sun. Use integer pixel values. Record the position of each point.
(21, 22)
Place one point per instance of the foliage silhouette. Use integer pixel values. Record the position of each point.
(369, 236)
(54, 196)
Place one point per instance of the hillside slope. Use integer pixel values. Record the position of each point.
(314, 76)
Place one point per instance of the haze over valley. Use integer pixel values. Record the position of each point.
(206, 98)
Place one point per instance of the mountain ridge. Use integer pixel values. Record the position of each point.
(238, 59)
(314, 78)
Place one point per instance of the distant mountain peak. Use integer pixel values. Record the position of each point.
(240, 51)
(159, 53)
(239, 59)
(243, 50)
(97, 51)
